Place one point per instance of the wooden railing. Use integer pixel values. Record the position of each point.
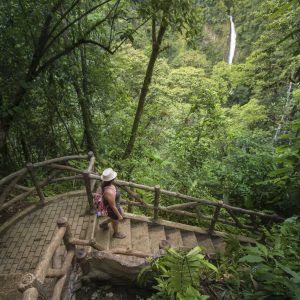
(236, 214)
(12, 192)
(31, 284)
(223, 213)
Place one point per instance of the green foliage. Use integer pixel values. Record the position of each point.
(288, 159)
(270, 270)
(178, 274)
(285, 177)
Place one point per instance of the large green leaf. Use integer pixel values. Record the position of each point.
(251, 259)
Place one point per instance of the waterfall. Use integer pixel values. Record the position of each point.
(286, 107)
(232, 41)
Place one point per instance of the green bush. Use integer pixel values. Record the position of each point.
(177, 274)
(270, 270)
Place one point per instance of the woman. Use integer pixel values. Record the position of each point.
(111, 198)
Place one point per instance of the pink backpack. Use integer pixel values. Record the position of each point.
(100, 205)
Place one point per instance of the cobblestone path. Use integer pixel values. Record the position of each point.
(23, 244)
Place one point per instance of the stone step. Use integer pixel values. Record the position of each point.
(173, 236)
(124, 227)
(189, 239)
(140, 239)
(156, 234)
(206, 244)
(103, 237)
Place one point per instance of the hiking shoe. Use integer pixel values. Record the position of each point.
(119, 235)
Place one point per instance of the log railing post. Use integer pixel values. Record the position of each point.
(87, 182)
(129, 207)
(156, 202)
(254, 222)
(27, 286)
(63, 222)
(81, 256)
(235, 218)
(91, 159)
(215, 217)
(199, 214)
(30, 294)
(30, 169)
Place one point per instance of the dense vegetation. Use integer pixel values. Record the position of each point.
(269, 271)
(76, 77)
(145, 85)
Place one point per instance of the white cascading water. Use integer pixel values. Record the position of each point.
(232, 41)
(284, 114)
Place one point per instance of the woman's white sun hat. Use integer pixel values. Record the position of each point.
(108, 174)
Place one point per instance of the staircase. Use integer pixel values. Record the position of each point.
(147, 237)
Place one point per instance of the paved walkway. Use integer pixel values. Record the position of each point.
(23, 244)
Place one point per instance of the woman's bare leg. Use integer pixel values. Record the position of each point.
(115, 225)
(117, 234)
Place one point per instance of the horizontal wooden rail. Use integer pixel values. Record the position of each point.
(29, 192)
(66, 178)
(122, 184)
(182, 205)
(194, 199)
(12, 175)
(61, 159)
(184, 213)
(9, 187)
(64, 168)
(22, 188)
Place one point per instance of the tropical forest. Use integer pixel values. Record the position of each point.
(198, 97)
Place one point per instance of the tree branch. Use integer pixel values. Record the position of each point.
(98, 44)
(112, 24)
(73, 22)
(28, 25)
(67, 50)
(79, 42)
(63, 16)
(135, 30)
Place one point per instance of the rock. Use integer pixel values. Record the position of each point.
(117, 269)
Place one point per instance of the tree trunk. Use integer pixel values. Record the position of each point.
(85, 112)
(85, 104)
(4, 157)
(25, 150)
(156, 43)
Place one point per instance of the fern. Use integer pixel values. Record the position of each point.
(178, 274)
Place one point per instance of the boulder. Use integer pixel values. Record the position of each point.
(116, 268)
